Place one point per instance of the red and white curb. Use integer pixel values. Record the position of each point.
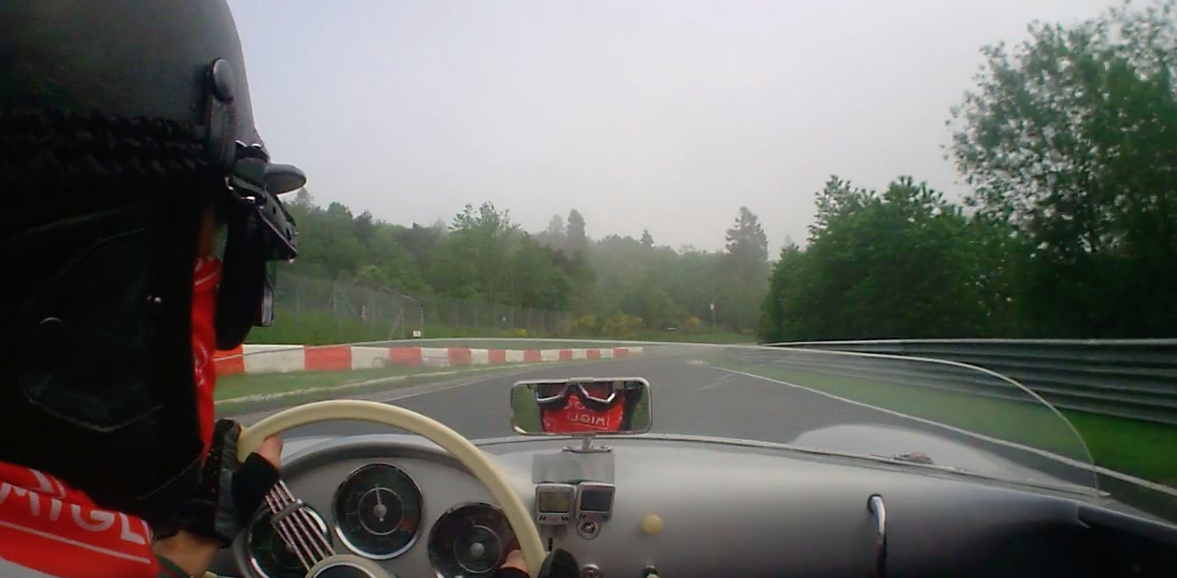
(287, 358)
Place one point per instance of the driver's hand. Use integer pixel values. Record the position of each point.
(558, 564)
(515, 560)
(514, 567)
(230, 492)
(271, 449)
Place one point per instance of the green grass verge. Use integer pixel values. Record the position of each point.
(249, 384)
(323, 390)
(1137, 448)
(1143, 449)
(316, 328)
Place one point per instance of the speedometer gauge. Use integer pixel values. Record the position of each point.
(470, 540)
(378, 511)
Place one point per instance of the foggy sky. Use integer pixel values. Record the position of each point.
(665, 115)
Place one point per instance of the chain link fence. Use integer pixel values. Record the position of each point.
(313, 311)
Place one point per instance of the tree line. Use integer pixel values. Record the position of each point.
(616, 286)
(1068, 144)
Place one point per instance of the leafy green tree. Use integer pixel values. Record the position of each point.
(745, 271)
(419, 241)
(782, 316)
(747, 245)
(577, 237)
(1070, 138)
(484, 237)
(555, 235)
(536, 280)
(892, 265)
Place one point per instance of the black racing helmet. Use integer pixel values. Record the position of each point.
(119, 124)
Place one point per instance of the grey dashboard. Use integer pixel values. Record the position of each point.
(686, 508)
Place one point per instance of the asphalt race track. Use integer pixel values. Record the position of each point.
(687, 399)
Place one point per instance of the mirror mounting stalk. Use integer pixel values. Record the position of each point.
(587, 447)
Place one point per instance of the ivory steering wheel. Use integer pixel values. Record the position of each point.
(459, 447)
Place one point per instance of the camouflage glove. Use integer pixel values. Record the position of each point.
(230, 492)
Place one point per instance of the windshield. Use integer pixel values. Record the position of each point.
(944, 418)
(1000, 174)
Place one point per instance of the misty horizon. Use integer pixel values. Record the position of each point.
(666, 116)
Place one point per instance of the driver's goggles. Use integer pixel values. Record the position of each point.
(594, 391)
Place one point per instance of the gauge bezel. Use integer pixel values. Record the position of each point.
(266, 514)
(338, 528)
(437, 524)
(555, 518)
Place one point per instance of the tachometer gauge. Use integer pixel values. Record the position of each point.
(378, 511)
(268, 553)
(470, 540)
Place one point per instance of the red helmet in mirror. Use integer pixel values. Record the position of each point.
(585, 407)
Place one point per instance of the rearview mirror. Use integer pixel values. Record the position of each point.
(581, 406)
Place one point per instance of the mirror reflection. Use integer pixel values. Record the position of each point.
(581, 406)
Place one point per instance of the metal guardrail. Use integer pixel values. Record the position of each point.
(1134, 379)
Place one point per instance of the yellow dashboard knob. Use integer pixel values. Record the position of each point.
(651, 524)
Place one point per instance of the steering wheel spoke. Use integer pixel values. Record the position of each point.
(296, 527)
